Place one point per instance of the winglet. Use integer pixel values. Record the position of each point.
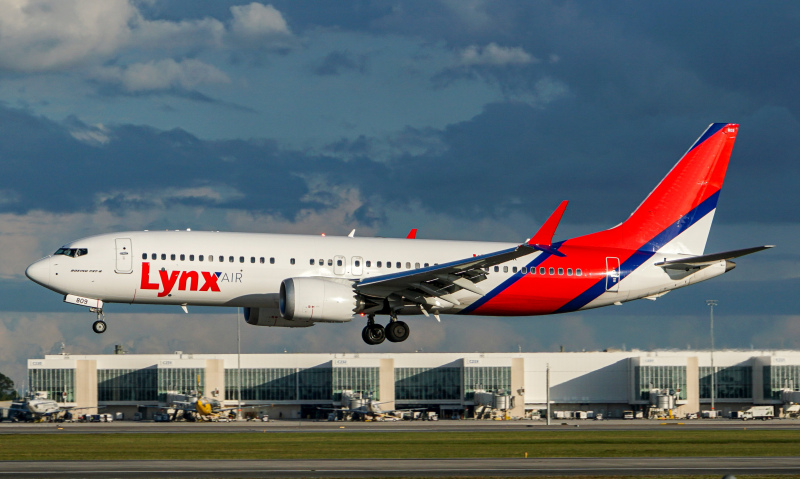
(544, 237)
(412, 234)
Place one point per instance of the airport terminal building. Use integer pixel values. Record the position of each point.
(298, 385)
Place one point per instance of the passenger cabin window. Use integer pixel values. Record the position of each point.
(505, 269)
(496, 269)
(578, 272)
(153, 256)
(541, 270)
(191, 257)
(272, 261)
(399, 265)
(221, 259)
(338, 262)
(378, 264)
(426, 265)
(230, 259)
(569, 271)
(514, 269)
(172, 256)
(322, 262)
(163, 256)
(261, 260)
(144, 255)
(560, 271)
(369, 264)
(416, 265)
(241, 259)
(200, 258)
(408, 265)
(291, 261)
(253, 259)
(183, 257)
(311, 262)
(357, 263)
(551, 271)
(524, 270)
(388, 264)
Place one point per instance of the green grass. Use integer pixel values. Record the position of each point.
(399, 445)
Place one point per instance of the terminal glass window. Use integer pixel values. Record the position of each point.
(275, 384)
(360, 380)
(735, 382)
(487, 379)
(660, 377)
(179, 380)
(777, 378)
(56, 382)
(127, 384)
(315, 384)
(420, 384)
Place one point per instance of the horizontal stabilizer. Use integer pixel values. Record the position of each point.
(696, 261)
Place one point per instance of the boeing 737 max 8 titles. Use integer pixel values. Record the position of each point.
(297, 281)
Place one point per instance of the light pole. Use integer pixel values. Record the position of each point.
(711, 303)
(238, 369)
(547, 386)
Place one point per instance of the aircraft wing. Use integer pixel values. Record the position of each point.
(440, 280)
(426, 286)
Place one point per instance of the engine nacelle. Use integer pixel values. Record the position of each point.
(271, 317)
(317, 299)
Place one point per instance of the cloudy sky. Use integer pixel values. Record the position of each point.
(467, 119)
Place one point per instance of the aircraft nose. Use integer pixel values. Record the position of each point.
(39, 271)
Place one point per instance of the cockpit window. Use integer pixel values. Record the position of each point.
(72, 252)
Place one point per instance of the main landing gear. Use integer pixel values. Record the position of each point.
(99, 326)
(396, 331)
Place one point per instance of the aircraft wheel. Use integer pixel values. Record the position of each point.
(397, 331)
(99, 327)
(373, 334)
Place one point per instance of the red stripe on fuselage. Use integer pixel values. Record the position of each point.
(537, 293)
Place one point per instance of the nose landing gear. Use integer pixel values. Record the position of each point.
(99, 326)
(396, 331)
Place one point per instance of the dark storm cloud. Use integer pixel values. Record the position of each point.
(48, 168)
(336, 63)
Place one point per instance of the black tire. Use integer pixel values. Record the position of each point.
(374, 334)
(397, 331)
(99, 327)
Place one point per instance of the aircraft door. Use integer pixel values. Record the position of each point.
(338, 264)
(612, 274)
(124, 256)
(357, 265)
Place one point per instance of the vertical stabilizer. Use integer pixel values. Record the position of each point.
(676, 216)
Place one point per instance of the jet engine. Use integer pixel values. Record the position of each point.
(271, 317)
(321, 300)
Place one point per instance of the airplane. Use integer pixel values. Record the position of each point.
(194, 405)
(368, 409)
(37, 407)
(301, 280)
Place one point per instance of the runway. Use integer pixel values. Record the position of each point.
(404, 467)
(286, 426)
